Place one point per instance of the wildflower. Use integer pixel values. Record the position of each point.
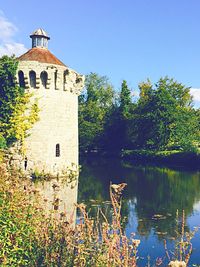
(177, 264)
(118, 187)
(136, 242)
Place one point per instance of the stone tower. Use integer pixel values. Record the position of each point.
(52, 144)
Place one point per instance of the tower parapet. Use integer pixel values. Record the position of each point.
(35, 75)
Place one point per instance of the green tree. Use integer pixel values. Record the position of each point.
(116, 134)
(126, 109)
(17, 113)
(146, 89)
(125, 101)
(185, 132)
(95, 105)
(164, 116)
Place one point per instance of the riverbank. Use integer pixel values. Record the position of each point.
(172, 157)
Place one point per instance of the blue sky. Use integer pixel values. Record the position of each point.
(129, 39)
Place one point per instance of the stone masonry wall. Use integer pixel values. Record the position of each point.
(58, 115)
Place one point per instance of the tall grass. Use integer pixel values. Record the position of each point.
(28, 237)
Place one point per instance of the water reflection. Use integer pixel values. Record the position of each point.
(151, 199)
(162, 191)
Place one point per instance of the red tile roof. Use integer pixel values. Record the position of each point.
(41, 55)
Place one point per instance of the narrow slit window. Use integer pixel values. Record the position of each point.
(25, 163)
(55, 78)
(66, 72)
(64, 77)
(57, 150)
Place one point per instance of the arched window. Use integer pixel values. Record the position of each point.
(44, 77)
(32, 78)
(21, 79)
(55, 78)
(57, 150)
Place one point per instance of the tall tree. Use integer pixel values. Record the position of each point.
(116, 136)
(125, 101)
(95, 104)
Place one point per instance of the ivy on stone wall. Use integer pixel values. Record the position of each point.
(17, 112)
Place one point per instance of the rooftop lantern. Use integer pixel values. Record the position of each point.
(39, 38)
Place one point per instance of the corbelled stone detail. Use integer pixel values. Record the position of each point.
(67, 79)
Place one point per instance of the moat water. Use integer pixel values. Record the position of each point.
(150, 202)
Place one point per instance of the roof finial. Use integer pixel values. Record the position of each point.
(39, 38)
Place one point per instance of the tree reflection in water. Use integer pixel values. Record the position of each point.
(155, 193)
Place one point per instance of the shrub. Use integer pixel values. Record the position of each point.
(2, 142)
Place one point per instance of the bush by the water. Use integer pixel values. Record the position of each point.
(173, 157)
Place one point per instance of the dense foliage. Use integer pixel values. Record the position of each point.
(95, 105)
(17, 113)
(162, 118)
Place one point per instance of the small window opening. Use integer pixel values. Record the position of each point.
(78, 80)
(57, 150)
(55, 78)
(25, 163)
(21, 79)
(32, 77)
(44, 77)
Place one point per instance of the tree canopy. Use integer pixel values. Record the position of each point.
(162, 118)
